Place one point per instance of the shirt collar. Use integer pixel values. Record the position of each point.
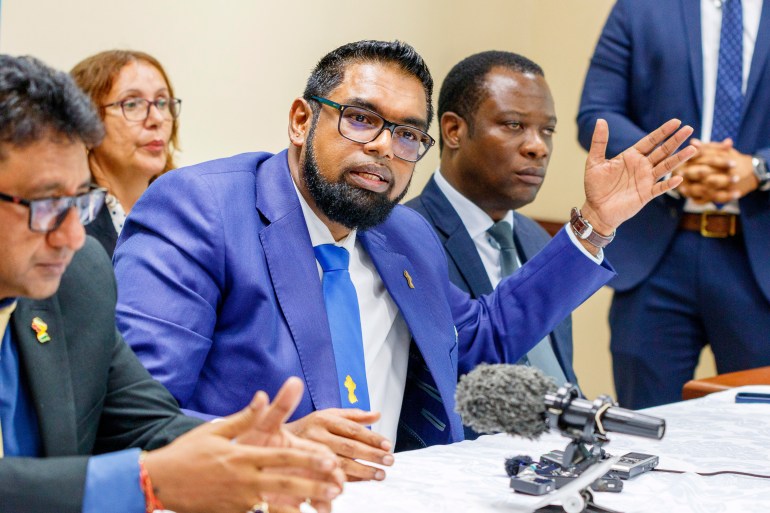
(319, 232)
(7, 306)
(475, 220)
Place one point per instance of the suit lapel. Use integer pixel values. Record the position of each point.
(418, 305)
(692, 23)
(458, 243)
(760, 57)
(290, 259)
(49, 376)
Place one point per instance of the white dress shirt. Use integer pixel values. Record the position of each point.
(711, 28)
(477, 222)
(386, 336)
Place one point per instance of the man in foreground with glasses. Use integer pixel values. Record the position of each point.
(83, 427)
(301, 263)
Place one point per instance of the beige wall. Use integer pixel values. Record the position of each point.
(238, 64)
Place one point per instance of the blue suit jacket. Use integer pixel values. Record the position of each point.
(219, 296)
(648, 68)
(467, 271)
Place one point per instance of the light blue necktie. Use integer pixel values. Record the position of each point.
(542, 355)
(728, 101)
(345, 324)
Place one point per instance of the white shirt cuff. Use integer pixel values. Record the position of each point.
(599, 258)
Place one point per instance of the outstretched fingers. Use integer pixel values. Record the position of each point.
(670, 145)
(651, 141)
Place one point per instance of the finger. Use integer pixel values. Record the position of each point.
(598, 149)
(283, 508)
(725, 196)
(358, 431)
(696, 142)
(268, 457)
(719, 181)
(650, 141)
(353, 448)
(670, 145)
(672, 162)
(665, 185)
(285, 402)
(356, 471)
(295, 486)
(233, 425)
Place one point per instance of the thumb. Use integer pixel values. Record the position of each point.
(235, 424)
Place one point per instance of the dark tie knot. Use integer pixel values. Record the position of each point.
(502, 232)
(332, 258)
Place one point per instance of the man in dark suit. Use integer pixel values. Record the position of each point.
(77, 409)
(693, 266)
(496, 121)
(304, 263)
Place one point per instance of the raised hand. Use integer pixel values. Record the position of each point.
(619, 187)
(344, 431)
(211, 469)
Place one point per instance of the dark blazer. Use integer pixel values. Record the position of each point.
(237, 305)
(91, 394)
(103, 230)
(648, 68)
(465, 267)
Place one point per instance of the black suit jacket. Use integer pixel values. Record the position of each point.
(465, 267)
(91, 394)
(103, 230)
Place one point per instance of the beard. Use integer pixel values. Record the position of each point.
(342, 203)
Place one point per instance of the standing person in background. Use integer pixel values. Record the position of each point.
(693, 265)
(136, 102)
(496, 121)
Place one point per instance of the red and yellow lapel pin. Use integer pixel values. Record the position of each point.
(41, 328)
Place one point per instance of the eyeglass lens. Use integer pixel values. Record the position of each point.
(49, 213)
(137, 109)
(363, 126)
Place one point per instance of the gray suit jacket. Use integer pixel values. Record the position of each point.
(91, 394)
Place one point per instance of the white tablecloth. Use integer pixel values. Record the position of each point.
(702, 435)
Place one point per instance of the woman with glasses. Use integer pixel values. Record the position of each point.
(136, 103)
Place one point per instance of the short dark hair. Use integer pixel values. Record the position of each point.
(463, 88)
(330, 70)
(37, 101)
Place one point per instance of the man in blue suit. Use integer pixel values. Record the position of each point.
(238, 272)
(692, 267)
(496, 121)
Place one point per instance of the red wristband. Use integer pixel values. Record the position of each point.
(152, 503)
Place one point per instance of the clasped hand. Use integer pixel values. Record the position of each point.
(247, 458)
(717, 173)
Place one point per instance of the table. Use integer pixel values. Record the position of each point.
(706, 435)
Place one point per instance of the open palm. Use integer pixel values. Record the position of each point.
(617, 188)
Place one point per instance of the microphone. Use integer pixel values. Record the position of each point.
(522, 401)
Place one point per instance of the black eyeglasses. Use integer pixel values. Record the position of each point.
(138, 109)
(47, 214)
(363, 126)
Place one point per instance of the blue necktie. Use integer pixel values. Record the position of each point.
(728, 101)
(345, 324)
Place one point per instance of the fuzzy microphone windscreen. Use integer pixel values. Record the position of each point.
(504, 398)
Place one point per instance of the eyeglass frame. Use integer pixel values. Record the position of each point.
(387, 125)
(30, 204)
(150, 103)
